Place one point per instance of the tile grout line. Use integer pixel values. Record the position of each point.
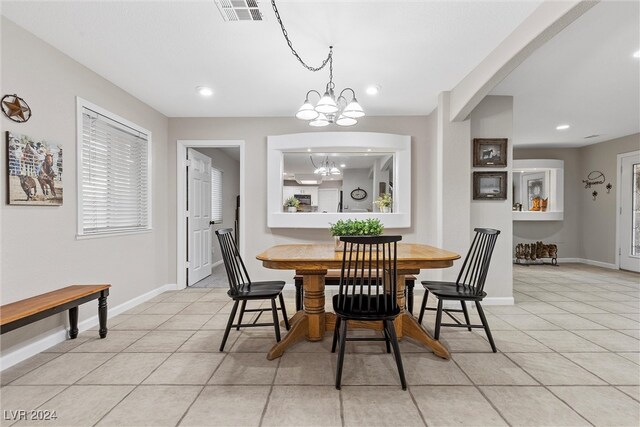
(273, 381)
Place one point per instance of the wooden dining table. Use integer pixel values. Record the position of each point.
(311, 261)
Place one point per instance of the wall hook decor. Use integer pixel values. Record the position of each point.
(594, 178)
(609, 187)
(594, 194)
(16, 108)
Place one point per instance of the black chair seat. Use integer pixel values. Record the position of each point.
(366, 307)
(241, 288)
(464, 292)
(469, 286)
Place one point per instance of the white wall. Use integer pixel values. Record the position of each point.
(357, 178)
(493, 118)
(230, 189)
(39, 250)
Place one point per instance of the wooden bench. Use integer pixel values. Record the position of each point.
(23, 312)
(333, 279)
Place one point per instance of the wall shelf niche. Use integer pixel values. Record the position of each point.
(542, 179)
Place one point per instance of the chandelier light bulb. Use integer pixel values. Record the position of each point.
(344, 120)
(353, 109)
(327, 105)
(319, 121)
(307, 112)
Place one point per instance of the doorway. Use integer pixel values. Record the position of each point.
(199, 164)
(628, 223)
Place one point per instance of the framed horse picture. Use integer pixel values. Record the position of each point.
(489, 152)
(34, 171)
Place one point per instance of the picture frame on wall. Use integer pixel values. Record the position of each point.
(489, 185)
(490, 152)
(34, 172)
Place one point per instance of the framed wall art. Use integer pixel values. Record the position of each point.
(489, 185)
(490, 152)
(34, 171)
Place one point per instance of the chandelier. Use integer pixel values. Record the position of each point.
(329, 108)
(325, 169)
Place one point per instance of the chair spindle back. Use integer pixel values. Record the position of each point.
(236, 271)
(476, 264)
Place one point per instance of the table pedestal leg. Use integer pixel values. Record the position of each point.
(412, 329)
(297, 332)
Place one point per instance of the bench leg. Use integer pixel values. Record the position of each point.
(102, 314)
(73, 322)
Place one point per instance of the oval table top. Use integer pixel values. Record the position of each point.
(324, 256)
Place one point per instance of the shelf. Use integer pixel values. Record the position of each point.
(537, 216)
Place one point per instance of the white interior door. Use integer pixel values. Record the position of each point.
(328, 199)
(199, 235)
(629, 210)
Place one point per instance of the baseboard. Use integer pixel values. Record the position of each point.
(47, 340)
(217, 263)
(588, 262)
(498, 301)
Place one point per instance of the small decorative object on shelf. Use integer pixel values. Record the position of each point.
(594, 194)
(384, 202)
(16, 108)
(292, 204)
(609, 187)
(532, 253)
(355, 227)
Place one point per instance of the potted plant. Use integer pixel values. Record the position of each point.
(384, 202)
(292, 204)
(355, 227)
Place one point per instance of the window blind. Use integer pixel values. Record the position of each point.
(114, 176)
(216, 195)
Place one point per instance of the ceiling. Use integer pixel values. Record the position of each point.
(160, 51)
(586, 77)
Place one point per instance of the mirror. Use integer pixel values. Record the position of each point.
(538, 193)
(338, 182)
(337, 175)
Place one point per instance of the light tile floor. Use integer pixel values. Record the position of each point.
(568, 356)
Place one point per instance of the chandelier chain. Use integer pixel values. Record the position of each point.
(328, 59)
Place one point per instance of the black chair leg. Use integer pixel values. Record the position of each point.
(436, 334)
(336, 334)
(299, 296)
(486, 326)
(284, 312)
(423, 307)
(276, 325)
(229, 323)
(242, 307)
(343, 342)
(386, 336)
(466, 314)
(396, 351)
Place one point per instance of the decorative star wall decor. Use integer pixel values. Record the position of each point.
(16, 108)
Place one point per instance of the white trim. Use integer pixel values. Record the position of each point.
(619, 158)
(47, 340)
(588, 262)
(498, 301)
(83, 103)
(217, 263)
(181, 179)
(400, 145)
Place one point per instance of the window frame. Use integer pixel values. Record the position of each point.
(81, 104)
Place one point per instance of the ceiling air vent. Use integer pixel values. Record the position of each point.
(240, 10)
(591, 136)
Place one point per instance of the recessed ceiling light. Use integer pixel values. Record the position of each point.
(204, 91)
(368, 149)
(342, 165)
(637, 54)
(562, 127)
(308, 149)
(373, 90)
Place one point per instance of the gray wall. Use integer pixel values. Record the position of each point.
(589, 227)
(40, 251)
(254, 132)
(230, 189)
(352, 179)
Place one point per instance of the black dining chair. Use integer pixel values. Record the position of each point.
(367, 293)
(468, 286)
(241, 288)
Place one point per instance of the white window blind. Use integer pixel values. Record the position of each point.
(216, 195)
(114, 176)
